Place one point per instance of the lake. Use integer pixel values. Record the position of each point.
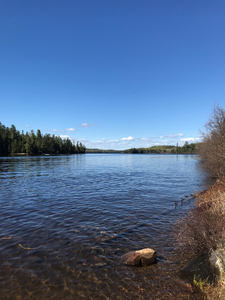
(65, 221)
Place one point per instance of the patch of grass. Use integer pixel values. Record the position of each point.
(199, 283)
(203, 228)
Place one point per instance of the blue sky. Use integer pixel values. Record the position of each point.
(113, 74)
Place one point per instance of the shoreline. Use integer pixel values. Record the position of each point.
(201, 232)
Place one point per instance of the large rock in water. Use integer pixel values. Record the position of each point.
(209, 267)
(144, 257)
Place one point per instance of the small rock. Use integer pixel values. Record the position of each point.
(188, 287)
(100, 265)
(144, 257)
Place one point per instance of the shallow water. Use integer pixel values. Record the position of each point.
(65, 221)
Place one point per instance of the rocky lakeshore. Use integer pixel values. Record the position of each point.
(201, 234)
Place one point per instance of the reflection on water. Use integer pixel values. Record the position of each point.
(66, 220)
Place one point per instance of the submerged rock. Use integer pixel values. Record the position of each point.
(144, 257)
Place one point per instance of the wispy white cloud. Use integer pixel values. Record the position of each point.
(65, 136)
(83, 140)
(165, 142)
(191, 139)
(27, 126)
(61, 131)
(137, 142)
(102, 141)
(54, 130)
(146, 139)
(175, 135)
(86, 125)
(124, 143)
(130, 142)
(70, 129)
(112, 141)
(170, 136)
(129, 138)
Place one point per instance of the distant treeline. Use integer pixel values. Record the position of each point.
(94, 150)
(13, 142)
(186, 149)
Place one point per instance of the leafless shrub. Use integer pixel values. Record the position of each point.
(212, 149)
(204, 227)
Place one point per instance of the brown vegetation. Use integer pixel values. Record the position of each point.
(203, 229)
(212, 149)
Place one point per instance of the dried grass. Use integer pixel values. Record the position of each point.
(204, 227)
(216, 293)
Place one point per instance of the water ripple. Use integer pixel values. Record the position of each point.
(66, 220)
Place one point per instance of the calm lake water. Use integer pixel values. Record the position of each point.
(65, 221)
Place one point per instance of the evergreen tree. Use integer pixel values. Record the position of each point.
(12, 141)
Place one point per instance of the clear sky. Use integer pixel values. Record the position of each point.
(113, 74)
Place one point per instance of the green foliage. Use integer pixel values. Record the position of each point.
(186, 149)
(198, 282)
(165, 149)
(94, 150)
(12, 141)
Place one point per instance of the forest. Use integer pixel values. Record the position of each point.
(14, 142)
(162, 149)
(185, 149)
